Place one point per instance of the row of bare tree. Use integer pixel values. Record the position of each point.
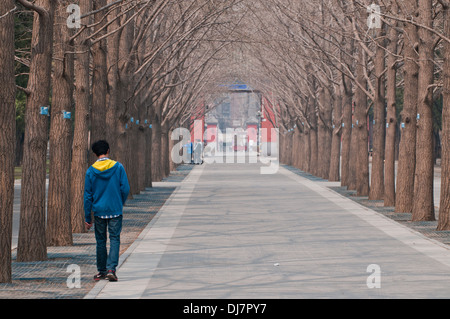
(330, 63)
(322, 65)
(129, 71)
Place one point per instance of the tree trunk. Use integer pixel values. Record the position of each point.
(353, 158)
(325, 135)
(141, 149)
(302, 146)
(298, 147)
(407, 149)
(165, 152)
(156, 145)
(377, 176)
(80, 145)
(7, 136)
(281, 148)
(346, 130)
(59, 230)
(172, 143)
(124, 124)
(360, 128)
(391, 115)
(286, 156)
(132, 161)
(32, 242)
(444, 205)
(291, 148)
(307, 150)
(142, 116)
(294, 148)
(99, 78)
(149, 149)
(141, 157)
(313, 160)
(321, 131)
(334, 174)
(112, 96)
(423, 208)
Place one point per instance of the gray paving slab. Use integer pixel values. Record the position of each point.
(230, 232)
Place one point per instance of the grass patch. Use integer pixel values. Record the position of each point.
(18, 170)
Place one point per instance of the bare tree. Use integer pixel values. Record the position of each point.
(378, 140)
(7, 135)
(99, 76)
(444, 206)
(404, 198)
(32, 242)
(59, 229)
(80, 145)
(423, 204)
(391, 116)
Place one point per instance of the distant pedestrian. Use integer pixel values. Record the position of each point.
(105, 192)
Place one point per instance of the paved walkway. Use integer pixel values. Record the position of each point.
(228, 231)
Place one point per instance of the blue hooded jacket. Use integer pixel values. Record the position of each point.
(106, 189)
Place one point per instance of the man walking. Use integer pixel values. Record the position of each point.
(105, 192)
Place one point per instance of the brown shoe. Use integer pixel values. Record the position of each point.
(111, 275)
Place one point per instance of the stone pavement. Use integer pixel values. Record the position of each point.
(230, 232)
(427, 228)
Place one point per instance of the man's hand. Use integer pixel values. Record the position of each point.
(88, 226)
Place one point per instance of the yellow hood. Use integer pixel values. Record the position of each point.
(104, 165)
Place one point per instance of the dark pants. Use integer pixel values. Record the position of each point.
(113, 226)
